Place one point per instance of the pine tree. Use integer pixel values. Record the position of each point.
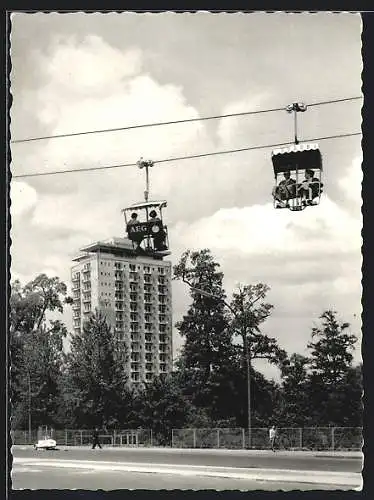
(97, 383)
(330, 361)
(208, 349)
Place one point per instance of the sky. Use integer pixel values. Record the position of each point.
(79, 72)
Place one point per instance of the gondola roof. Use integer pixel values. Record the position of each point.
(297, 156)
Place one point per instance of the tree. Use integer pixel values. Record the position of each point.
(162, 406)
(248, 311)
(97, 383)
(36, 348)
(208, 348)
(331, 362)
(294, 404)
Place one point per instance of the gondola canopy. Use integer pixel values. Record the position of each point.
(296, 157)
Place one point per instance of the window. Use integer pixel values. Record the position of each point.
(147, 318)
(135, 356)
(132, 267)
(147, 327)
(133, 307)
(132, 287)
(147, 297)
(162, 328)
(162, 338)
(133, 316)
(148, 347)
(148, 356)
(147, 308)
(134, 297)
(162, 318)
(148, 337)
(134, 327)
(149, 367)
(135, 377)
(163, 357)
(162, 309)
(148, 376)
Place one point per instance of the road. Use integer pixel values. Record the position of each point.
(137, 468)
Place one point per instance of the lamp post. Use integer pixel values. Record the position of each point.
(246, 347)
(29, 403)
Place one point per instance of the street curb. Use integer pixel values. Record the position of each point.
(223, 451)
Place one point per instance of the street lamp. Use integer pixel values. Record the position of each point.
(246, 347)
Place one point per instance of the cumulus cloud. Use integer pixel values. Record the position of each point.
(351, 181)
(259, 229)
(23, 197)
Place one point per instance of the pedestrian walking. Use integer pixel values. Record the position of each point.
(95, 439)
(272, 436)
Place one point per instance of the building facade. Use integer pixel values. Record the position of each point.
(134, 292)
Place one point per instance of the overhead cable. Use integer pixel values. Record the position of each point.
(180, 158)
(175, 122)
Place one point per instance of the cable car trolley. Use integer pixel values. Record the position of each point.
(145, 228)
(144, 223)
(297, 171)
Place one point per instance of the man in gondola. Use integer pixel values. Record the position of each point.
(137, 238)
(310, 188)
(285, 190)
(158, 237)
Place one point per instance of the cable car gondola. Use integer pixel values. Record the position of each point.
(144, 223)
(145, 228)
(297, 172)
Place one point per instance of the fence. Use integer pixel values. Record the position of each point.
(83, 437)
(309, 438)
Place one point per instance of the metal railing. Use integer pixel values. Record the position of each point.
(291, 438)
(83, 437)
(307, 438)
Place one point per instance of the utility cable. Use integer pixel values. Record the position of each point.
(175, 122)
(180, 158)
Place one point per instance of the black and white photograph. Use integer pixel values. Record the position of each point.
(185, 292)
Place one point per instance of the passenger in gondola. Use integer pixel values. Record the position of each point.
(137, 238)
(310, 188)
(153, 216)
(158, 237)
(285, 190)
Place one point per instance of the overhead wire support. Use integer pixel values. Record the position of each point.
(187, 157)
(175, 122)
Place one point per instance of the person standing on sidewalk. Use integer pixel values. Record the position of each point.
(272, 436)
(95, 439)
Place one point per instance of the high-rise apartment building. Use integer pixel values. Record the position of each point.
(134, 292)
